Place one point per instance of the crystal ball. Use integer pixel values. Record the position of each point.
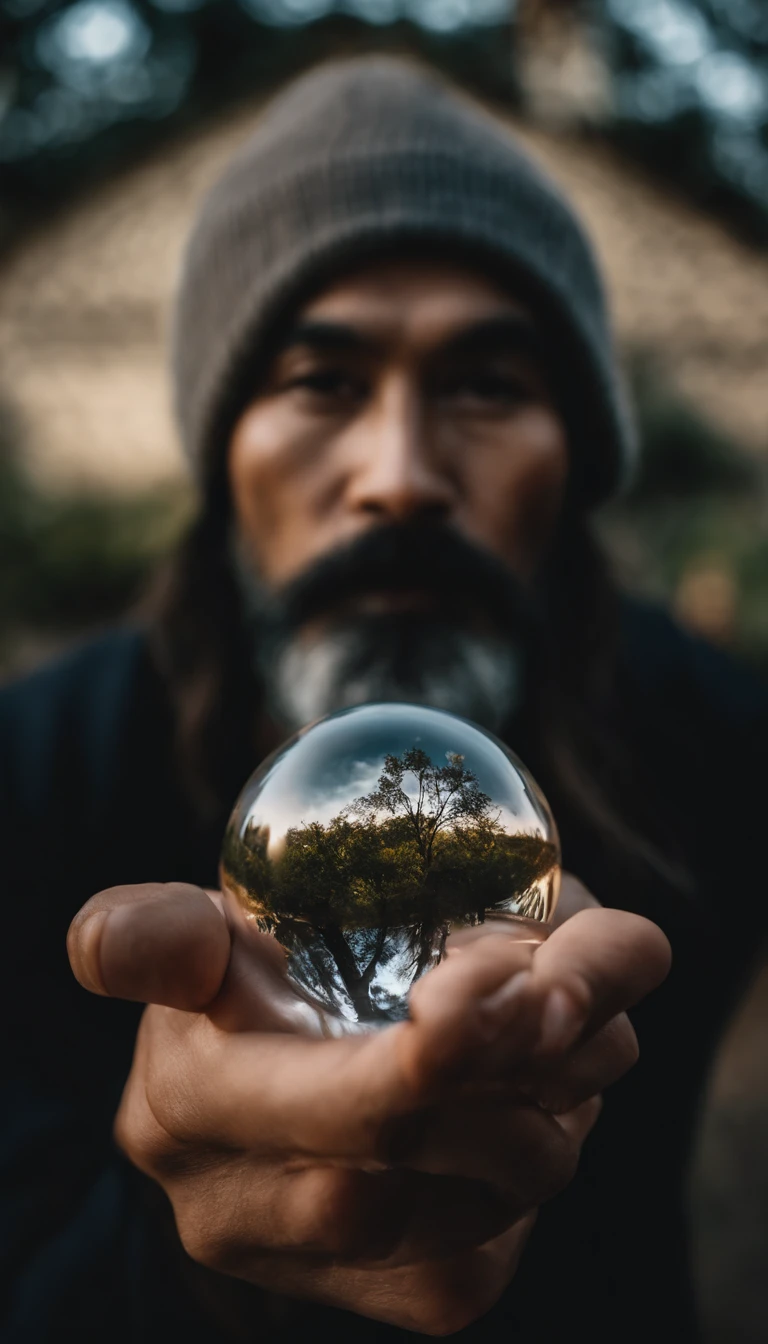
(370, 836)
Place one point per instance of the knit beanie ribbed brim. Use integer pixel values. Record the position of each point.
(363, 156)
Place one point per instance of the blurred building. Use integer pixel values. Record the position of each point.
(84, 302)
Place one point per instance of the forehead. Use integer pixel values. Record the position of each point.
(429, 297)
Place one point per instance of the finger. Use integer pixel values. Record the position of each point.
(597, 964)
(163, 943)
(389, 1218)
(517, 1150)
(481, 994)
(338, 1098)
(561, 1084)
(438, 1297)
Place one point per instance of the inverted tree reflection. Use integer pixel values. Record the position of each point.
(378, 887)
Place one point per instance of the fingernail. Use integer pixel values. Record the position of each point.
(560, 1022)
(85, 960)
(495, 1011)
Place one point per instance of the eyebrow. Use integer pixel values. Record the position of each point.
(337, 336)
(504, 331)
(508, 331)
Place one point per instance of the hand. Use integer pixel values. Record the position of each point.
(395, 1174)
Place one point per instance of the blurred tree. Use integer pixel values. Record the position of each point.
(70, 562)
(87, 84)
(690, 97)
(692, 530)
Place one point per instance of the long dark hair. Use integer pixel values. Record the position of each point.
(575, 734)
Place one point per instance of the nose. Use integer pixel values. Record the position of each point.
(397, 477)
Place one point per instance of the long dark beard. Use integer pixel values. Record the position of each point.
(315, 651)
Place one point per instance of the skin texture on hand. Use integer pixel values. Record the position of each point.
(395, 1174)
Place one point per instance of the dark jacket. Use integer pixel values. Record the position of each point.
(90, 797)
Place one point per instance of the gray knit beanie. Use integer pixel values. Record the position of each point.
(356, 157)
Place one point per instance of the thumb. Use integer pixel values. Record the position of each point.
(164, 943)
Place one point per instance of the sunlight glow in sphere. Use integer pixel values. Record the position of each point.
(373, 834)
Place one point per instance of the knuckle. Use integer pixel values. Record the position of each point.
(147, 1129)
(205, 1241)
(581, 993)
(138, 1134)
(450, 1302)
(332, 1218)
(452, 1295)
(217, 1227)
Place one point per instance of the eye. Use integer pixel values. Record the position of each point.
(328, 384)
(491, 386)
(485, 388)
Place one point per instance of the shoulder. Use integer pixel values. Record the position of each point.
(698, 726)
(59, 725)
(669, 668)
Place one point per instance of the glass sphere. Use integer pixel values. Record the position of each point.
(373, 834)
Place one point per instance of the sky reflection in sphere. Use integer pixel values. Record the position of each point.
(373, 834)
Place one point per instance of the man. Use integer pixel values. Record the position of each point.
(397, 388)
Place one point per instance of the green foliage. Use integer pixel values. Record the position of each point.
(684, 457)
(432, 854)
(699, 498)
(73, 561)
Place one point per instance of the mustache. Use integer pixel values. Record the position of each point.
(431, 558)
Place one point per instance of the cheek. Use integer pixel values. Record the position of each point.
(271, 484)
(517, 488)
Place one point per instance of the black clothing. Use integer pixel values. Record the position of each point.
(89, 798)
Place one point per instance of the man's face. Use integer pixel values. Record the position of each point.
(409, 400)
